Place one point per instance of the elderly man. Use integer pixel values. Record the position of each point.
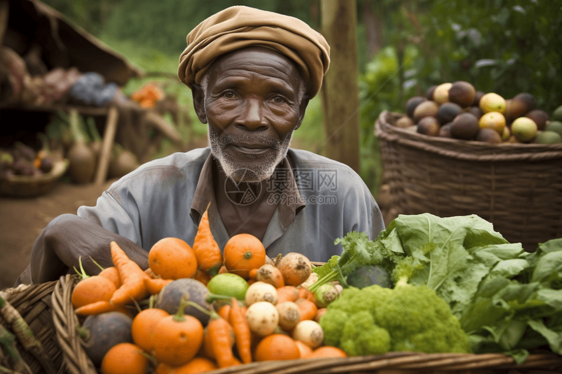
(252, 74)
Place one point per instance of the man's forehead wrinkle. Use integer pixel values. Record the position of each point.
(243, 74)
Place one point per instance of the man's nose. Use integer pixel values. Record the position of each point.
(252, 117)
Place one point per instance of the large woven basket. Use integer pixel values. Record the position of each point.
(517, 187)
(28, 186)
(56, 326)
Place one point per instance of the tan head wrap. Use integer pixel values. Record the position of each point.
(240, 27)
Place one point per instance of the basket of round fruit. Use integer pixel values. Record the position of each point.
(25, 172)
(199, 309)
(460, 151)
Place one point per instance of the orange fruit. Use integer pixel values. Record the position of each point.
(172, 258)
(124, 358)
(277, 347)
(242, 253)
(143, 327)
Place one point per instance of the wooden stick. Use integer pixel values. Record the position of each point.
(108, 138)
(165, 127)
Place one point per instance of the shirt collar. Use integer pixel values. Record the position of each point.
(290, 201)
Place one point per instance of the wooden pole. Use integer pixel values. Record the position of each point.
(340, 91)
(108, 138)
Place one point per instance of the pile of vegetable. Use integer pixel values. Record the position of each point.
(426, 284)
(24, 160)
(196, 310)
(505, 299)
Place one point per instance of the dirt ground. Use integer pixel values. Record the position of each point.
(21, 221)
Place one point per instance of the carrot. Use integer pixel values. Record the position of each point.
(219, 336)
(307, 308)
(254, 274)
(287, 293)
(149, 273)
(131, 275)
(206, 249)
(241, 331)
(91, 289)
(224, 312)
(110, 273)
(101, 307)
(154, 286)
(305, 293)
(202, 277)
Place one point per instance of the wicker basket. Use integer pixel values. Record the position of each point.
(517, 187)
(28, 186)
(68, 352)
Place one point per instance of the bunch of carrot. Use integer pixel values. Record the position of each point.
(148, 95)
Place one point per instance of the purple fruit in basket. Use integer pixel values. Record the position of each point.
(489, 136)
(477, 96)
(447, 112)
(519, 106)
(106, 330)
(474, 110)
(445, 131)
(425, 109)
(404, 122)
(465, 126)
(540, 117)
(428, 126)
(412, 104)
(429, 93)
(462, 93)
(47, 164)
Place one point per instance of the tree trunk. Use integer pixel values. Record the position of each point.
(340, 91)
(374, 25)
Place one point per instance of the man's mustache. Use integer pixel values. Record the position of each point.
(228, 139)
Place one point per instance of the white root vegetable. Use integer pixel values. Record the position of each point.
(289, 315)
(271, 275)
(309, 332)
(261, 291)
(262, 318)
(295, 268)
(310, 281)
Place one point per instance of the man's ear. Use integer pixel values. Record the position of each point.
(302, 110)
(199, 102)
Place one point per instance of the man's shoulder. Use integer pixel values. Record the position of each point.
(303, 159)
(172, 166)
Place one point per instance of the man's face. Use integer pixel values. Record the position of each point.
(252, 107)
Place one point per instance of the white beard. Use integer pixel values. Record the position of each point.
(251, 172)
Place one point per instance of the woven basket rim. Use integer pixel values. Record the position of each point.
(463, 149)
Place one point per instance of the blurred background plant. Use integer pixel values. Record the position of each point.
(405, 46)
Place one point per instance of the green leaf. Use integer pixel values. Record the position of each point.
(554, 338)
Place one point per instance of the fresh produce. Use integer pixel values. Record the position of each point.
(170, 298)
(176, 339)
(304, 349)
(124, 358)
(309, 332)
(104, 331)
(557, 115)
(206, 249)
(261, 291)
(143, 326)
(242, 253)
(492, 102)
(465, 126)
(548, 137)
(489, 135)
(289, 315)
(441, 93)
(307, 309)
(277, 347)
(172, 258)
(324, 295)
(241, 331)
(100, 307)
(295, 268)
(412, 104)
(326, 352)
(524, 129)
(425, 109)
(228, 285)
(428, 126)
(262, 318)
(91, 289)
(269, 274)
(131, 275)
(287, 293)
(82, 159)
(447, 113)
(320, 313)
(539, 117)
(462, 93)
(197, 365)
(155, 286)
(494, 121)
(554, 126)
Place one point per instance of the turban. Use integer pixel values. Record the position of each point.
(239, 27)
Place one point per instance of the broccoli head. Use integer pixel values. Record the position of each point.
(375, 320)
(361, 337)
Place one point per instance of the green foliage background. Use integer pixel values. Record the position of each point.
(502, 46)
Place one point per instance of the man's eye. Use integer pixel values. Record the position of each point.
(229, 95)
(278, 99)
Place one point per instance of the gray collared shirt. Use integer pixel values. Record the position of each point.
(156, 200)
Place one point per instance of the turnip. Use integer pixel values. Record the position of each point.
(310, 281)
(295, 267)
(262, 318)
(261, 291)
(289, 315)
(271, 275)
(325, 295)
(309, 332)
